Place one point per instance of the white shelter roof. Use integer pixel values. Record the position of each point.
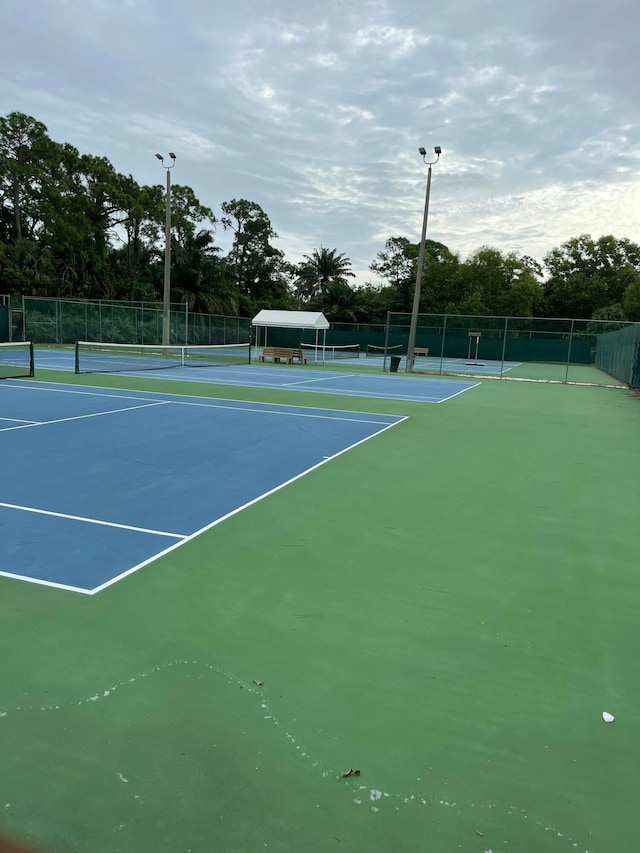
(291, 319)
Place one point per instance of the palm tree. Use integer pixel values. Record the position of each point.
(339, 302)
(200, 278)
(319, 270)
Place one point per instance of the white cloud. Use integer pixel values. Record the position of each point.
(350, 113)
(399, 41)
(316, 111)
(327, 60)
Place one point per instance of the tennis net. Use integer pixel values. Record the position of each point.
(375, 351)
(16, 360)
(320, 353)
(94, 357)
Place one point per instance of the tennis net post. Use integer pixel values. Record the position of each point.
(17, 360)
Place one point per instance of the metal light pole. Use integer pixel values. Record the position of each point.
(166, 294)
(416, 296)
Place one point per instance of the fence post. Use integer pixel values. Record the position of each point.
(386, 341)
(9, 318)
(566, 375)
(504, 346)
(444, 335)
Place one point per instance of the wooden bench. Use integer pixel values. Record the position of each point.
(421, 350)
(278, 354)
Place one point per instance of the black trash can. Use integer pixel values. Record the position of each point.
(395, 363)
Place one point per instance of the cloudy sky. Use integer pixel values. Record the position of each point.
(315, 110)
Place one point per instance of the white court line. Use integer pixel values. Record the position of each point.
(21, 425)
(321, 379)
(239, 509)
(241, 381)
(468, 388)
(51, 386)
(39, 582)
(186, 400)
(84, 417)
(399, 397)
(283, 414)
(180, 536)
(19, 421)
(337, 391)
(388, 395)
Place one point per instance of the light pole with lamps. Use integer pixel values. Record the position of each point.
(166, 293)
(416, 296)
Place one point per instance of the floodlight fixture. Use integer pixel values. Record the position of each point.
(438, 150)
(160, 157)
(173, 156)
(422, 151)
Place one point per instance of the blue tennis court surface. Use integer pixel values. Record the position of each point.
(97, 483)
(385, 387)
(434, 364)
(308, 378)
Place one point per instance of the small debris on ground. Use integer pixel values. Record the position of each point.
(608, 718)
(350, 772)
(481, 834)
(259, 683)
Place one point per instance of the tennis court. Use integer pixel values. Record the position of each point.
(409, 646)
(103, 473)
(434, 364)
(374, 356)
(306, 378)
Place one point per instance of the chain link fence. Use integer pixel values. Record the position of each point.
(618, 354)
(593, 352)
(46, 320)
(598, 352)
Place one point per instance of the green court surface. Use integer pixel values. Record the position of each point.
(587, 374)
(447, 608)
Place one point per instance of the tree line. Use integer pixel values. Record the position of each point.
(71, 226)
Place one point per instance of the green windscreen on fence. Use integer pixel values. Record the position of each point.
(527, 339)
(65, 321)
(4, 323)
(618, 354)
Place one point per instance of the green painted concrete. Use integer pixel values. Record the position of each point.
(586, 373)
(448, 608)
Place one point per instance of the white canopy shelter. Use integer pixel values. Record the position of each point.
(291, 320)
